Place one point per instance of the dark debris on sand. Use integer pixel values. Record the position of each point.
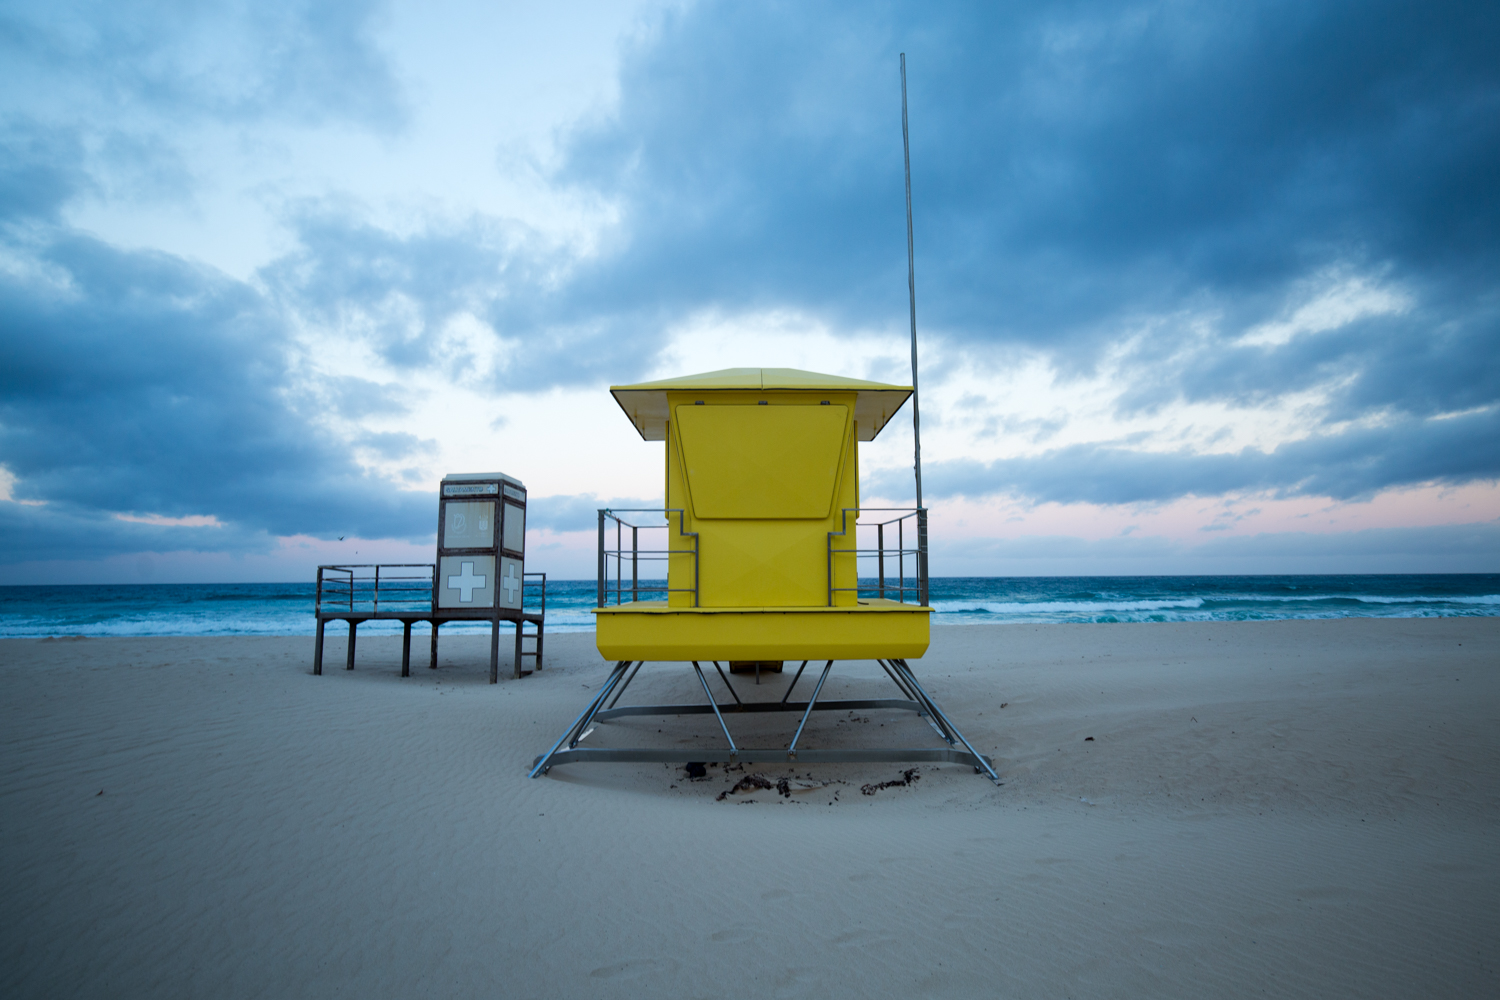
(749, 783)
(786, 786)
(907, 778)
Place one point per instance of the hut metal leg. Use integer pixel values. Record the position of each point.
(539, 627)
(406, 649)
(433, 664)
(495, 650)
(318, 651)
(349, 660)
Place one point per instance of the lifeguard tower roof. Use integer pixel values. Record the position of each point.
(646, 403)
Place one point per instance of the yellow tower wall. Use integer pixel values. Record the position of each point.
(761, 478)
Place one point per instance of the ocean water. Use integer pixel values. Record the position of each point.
(287, 608)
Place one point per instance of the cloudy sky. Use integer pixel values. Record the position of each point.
(1201, 287)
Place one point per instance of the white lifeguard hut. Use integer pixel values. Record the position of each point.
(479, 576)
(761, 557)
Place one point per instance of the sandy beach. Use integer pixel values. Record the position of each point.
(1287, 808)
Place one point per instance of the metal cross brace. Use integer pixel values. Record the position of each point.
(957, 749)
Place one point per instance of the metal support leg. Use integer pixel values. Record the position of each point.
(349, 659)
(727, 684)
(539, 628)
(406, 649)
(914, 697)
(795, 679)
(568, 749)
(704, 681)
(791, 751)
(583, 728)
(896, 679)
(582, 720)
(922, 707)
(927, 707)
(433, 664)
(902, 667)
(318, 651)
(638, 665)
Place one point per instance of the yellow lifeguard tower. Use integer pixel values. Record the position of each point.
(758, 557)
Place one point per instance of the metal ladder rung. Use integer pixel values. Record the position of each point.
(534, 638)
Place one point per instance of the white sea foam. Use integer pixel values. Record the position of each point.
(1369, 599)
(280, 610)
(1106, 606)
(1103, 606)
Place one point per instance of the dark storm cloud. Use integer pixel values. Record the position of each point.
(1468, 547)
(394, 292)
(395, 444)
(68, 531)
(353, 398)
(1479, 542)
(1082, 171)
(40, 169)
(137, 382)
(1441, 357)
(1345, 466)
(397, 292)
(241, 61)
(1073, 163)
(580, 511)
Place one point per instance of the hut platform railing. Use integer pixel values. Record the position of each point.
(889, 553)
(641, 559)
(404, 592)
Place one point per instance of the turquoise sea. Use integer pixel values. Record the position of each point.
(287, 608)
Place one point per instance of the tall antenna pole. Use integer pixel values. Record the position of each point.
(911, 286)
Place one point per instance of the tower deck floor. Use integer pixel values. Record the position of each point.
(871, 629)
